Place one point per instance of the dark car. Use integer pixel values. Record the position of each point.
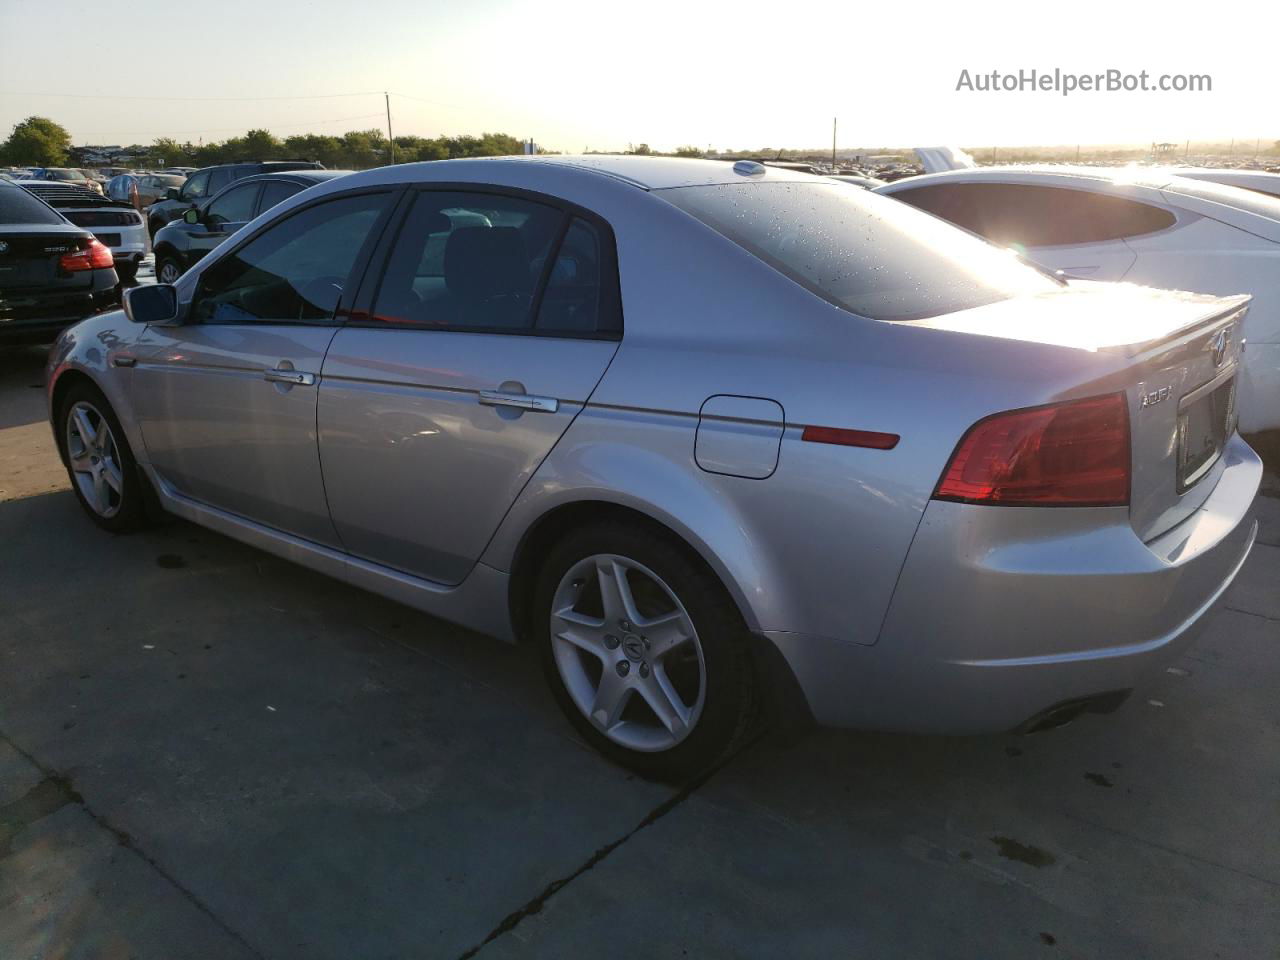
(207, 182)
(182, 243)
(52, 273)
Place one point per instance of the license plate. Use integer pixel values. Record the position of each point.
(1206, 418)
(110, 239)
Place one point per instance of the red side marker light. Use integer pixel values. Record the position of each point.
(851, 438)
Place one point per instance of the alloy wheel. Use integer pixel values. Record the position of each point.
(628, 653)
(168, 272)
(94, 458)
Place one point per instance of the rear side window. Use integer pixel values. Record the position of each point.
(295, 270)
(18, 206)
(866, 253)
(234, 206)
(574, 299)
(275, 191)
(481, 262)
(1025, 215)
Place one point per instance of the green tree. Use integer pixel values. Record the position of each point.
(688, 152)
(37, 142)
(643, 150)
(168, 152)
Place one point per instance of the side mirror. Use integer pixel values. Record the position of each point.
(171, 194)
(155, 304)
(192, 216)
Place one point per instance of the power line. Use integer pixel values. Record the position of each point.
(171, 133)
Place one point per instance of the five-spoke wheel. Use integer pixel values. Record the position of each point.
(93, 458)
(643, 649)
(99, 462)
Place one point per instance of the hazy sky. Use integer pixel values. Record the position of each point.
(590, 73)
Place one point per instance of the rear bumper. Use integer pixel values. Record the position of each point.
(1001, 613)
(134, 242)
(37, 317)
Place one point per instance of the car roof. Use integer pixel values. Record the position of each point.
(649, 173)
(300, 176)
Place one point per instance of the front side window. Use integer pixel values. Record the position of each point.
(1022, 215)
(234, 206)
(863, 252)
(468, 261)
(293, 272)
(196, 187)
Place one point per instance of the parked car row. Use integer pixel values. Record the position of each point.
(858, 465)
(115, 223)
(52, 272)
(182, 243)
(206, 183)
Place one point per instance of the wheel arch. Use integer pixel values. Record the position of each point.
(783, 698)
(66, 380)
(557, 521)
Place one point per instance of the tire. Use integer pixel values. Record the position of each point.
(703, 683)
(168, 263)
(127, 271)
(109, 487)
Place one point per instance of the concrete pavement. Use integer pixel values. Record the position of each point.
(206, 752)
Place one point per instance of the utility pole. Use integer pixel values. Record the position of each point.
(833, 144)
(1187, 152)
(391, 144)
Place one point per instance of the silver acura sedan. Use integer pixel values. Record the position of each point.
(710, 435)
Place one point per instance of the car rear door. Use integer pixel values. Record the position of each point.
(472, 348)
(227, 402)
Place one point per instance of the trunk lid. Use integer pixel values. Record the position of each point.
(1177, 360)
(29, 260)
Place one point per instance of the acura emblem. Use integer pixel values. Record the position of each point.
(1218, 345)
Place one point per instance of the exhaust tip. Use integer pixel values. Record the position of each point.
(1060, 714)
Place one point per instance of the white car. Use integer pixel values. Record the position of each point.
(1258, 180)
(115, 223)
(1137, 225)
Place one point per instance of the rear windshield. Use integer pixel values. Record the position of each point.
(871, 255)
(18, 206)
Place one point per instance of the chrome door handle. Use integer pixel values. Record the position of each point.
(521, 401)
(296, 377)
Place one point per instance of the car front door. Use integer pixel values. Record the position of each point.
(227, 402)
(226, 213)
(457, 373)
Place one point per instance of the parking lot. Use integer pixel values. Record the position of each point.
(206, 752)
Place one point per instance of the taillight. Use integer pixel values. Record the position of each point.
(95, 256)
(1066, 454)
